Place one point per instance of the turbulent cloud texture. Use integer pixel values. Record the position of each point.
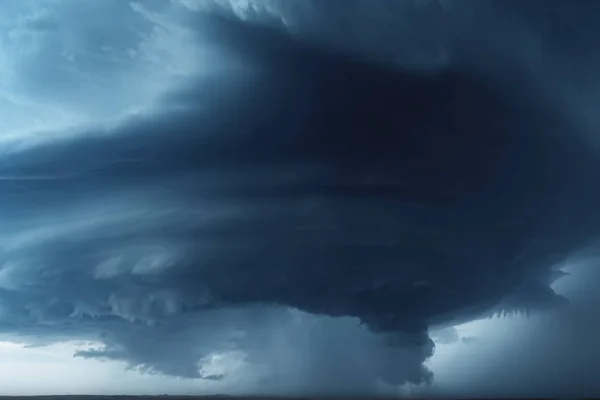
(304, 211)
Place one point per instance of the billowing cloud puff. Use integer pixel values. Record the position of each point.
(296, 200)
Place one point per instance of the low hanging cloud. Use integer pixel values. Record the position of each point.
(303, 196)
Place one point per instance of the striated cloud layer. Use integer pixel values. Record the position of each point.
(304, 210)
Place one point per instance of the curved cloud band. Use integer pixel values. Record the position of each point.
(298, 196)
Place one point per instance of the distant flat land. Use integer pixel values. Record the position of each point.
(178, 397)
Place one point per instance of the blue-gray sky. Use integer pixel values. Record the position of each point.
(285, 197)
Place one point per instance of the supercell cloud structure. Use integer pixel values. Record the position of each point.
(280, 192)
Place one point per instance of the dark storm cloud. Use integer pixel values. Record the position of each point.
(304, 180)
(497, 36)
(410, 32)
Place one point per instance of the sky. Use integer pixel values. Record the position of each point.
(299, 198)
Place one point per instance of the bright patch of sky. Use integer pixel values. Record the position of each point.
(53, 370)
(61, 69)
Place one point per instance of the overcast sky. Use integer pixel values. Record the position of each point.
(299, 197)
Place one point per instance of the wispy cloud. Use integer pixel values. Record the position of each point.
(62, 70)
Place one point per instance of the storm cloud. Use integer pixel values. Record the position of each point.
(304, 209)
